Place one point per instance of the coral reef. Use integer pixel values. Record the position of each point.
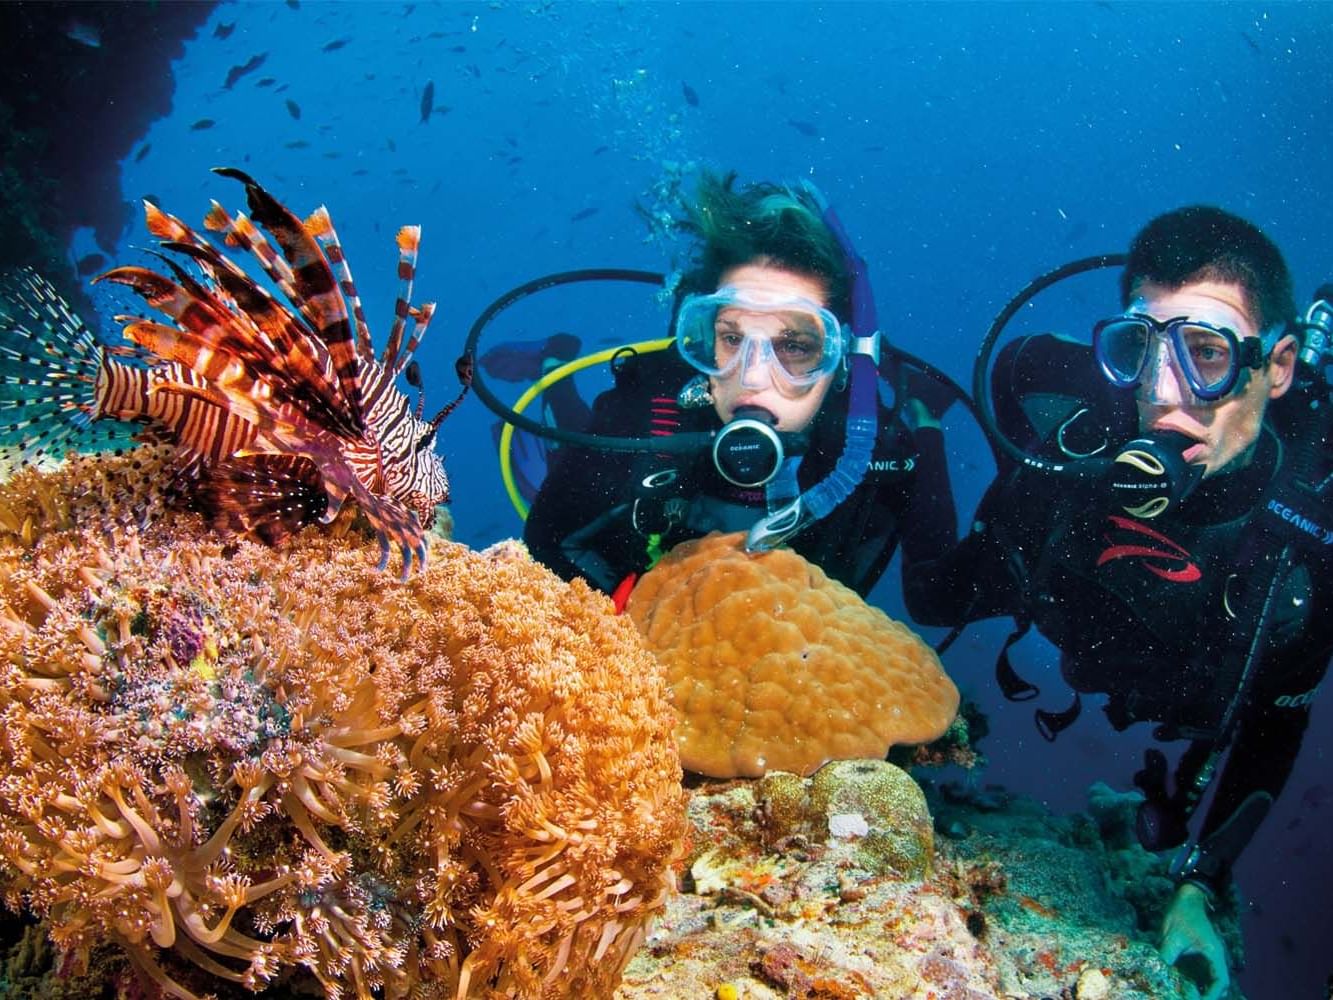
(773, 666)
(1023, 906)
(244, 768)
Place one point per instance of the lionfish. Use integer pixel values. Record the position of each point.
(276, 417)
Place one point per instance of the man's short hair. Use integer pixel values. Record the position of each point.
(1203, 243)
(774, 224)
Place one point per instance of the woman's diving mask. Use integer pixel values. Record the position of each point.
(736, 329)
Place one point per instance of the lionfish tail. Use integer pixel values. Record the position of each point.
(51, 365)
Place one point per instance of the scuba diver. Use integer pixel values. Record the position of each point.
(775, 366)
(1160, 517)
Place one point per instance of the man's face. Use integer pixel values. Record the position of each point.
(756, 383)
(1225, 430)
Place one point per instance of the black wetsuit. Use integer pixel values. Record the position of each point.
(1141, 610)
(581, 523)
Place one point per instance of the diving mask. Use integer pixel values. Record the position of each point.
(1132, 348)
(734, 329)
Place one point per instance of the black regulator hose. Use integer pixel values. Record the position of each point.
(891, 368)
(674, 444)
(984, 409)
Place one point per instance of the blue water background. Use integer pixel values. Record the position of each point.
(967, 147)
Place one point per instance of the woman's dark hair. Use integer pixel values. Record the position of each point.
(1202, 243)
(760, 223)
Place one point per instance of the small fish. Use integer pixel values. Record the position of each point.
(335, 45)
(600, 150)
(83, 33)
(427, 101)
(390, 145)
(139, 156)
(332, 154)
(294, 109)
(457, 48)
(201, 124)
(294, 4)
(249, 66)
(474, 69)
(297, 144)
(224, 30)
(584, 213)
(805, 128)
(90, 264)
(511, 141)
(691, 98)
(266, 81)
(1254, 46)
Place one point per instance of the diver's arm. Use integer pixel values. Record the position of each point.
(1261, 760)
(580, 487)
(560, 508)
(983, 575)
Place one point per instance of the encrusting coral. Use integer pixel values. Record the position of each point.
(773, 666)
(246, 766)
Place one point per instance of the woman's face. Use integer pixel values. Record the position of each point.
(755, 383)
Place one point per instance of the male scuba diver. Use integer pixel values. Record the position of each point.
(1165, 526)
(773, 364)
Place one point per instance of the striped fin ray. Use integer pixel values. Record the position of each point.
(320, 226)
(239, 231)
(409, 243)
(269, 496)
(421, 317)
(318, 296)
(51, 365)
(278, 344)
(223, 345)
(241, 293)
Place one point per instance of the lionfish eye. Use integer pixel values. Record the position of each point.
(413, 375)
(425, 441)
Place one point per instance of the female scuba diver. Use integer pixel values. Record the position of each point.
(766, 416)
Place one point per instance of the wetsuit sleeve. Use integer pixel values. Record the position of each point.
(930, 523)
(581, 488)
(1260, 762)
(974, 579)
(1038, 382)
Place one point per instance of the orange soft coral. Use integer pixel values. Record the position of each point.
(243, 765)
(773, 666)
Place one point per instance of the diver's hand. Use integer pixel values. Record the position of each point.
(1187, 932)
(917, 415)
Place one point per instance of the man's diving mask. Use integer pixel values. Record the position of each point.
(734, 329)
(1131, 350)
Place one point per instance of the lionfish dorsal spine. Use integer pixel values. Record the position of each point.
(239, 319)
(320, 225)
(421, 317)
(318, 296)
(409, 243)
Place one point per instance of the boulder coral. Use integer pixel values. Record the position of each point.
(246, 767)
(773, 666)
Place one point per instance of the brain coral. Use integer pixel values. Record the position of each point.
(245, 767)
(773, 666)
